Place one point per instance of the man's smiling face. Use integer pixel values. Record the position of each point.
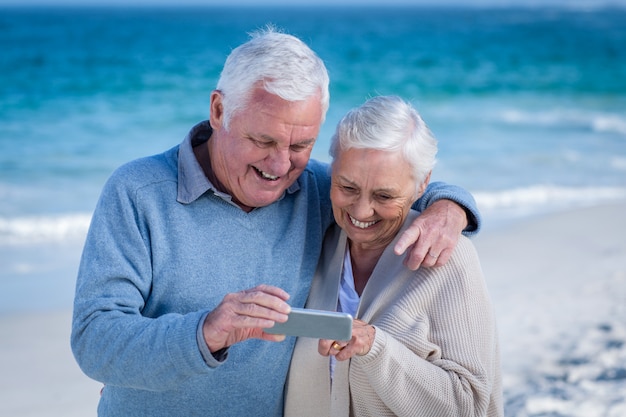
(266, 147)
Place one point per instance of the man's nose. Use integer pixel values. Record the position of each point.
(280, 161)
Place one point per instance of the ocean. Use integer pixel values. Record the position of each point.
(528, 106)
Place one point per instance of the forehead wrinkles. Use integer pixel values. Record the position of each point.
(280, 121)
(294, 140)
(361, 171)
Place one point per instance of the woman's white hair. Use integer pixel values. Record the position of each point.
(388, 123)
(284, 64)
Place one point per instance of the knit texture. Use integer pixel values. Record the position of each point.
(162, 251)
(435, 352)
(152, 267)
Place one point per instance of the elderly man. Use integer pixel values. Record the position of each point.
(191, 253)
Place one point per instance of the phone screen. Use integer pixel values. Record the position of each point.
(318, 324)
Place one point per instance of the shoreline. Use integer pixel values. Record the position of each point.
(557, 281)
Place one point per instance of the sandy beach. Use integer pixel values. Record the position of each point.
(558, 284)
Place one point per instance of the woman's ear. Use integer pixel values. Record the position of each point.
(423, 185)
(216, 116)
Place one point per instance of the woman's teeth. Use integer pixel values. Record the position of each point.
(361, 225)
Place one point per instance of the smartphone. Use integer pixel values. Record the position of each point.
(318, 324)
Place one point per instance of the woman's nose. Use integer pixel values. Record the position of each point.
(362, 208)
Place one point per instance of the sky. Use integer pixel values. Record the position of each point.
(479, 3)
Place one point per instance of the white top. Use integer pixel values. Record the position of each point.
(348, 297)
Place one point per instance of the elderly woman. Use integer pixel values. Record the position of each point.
(424, 342)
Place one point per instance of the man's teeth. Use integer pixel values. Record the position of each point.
(361, 225)
(266, 175)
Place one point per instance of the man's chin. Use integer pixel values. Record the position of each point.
(264, 199)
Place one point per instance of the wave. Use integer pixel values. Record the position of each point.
(537, 199)
(561, 118)
(44, 229)
(515, 202)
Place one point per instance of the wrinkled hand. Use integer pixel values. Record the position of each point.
(433, 235)
(243, 315)
(360, 344)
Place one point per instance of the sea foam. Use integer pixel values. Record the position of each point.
(41, 229)
(513, 202)
(601, 122)
(538, 199)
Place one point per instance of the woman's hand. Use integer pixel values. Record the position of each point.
(360, 344)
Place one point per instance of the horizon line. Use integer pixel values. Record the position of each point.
(233, 4)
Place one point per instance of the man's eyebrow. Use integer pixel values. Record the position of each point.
(267, 138)
(306, 142)
(309, 141)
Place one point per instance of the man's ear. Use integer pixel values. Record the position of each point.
(216, 117)
(423, 185)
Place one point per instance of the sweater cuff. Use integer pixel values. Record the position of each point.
(214, 359)
(378, 347)
(442, 191)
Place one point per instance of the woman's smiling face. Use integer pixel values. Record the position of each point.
(372, 192)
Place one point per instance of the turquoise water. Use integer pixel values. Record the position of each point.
(529, 105)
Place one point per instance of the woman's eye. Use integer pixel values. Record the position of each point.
(349, 189)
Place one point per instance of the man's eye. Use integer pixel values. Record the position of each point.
(299, 148)
(260, 143)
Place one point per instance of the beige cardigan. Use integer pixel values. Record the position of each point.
(435, 352)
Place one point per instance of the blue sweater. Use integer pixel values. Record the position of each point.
(162, 250)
